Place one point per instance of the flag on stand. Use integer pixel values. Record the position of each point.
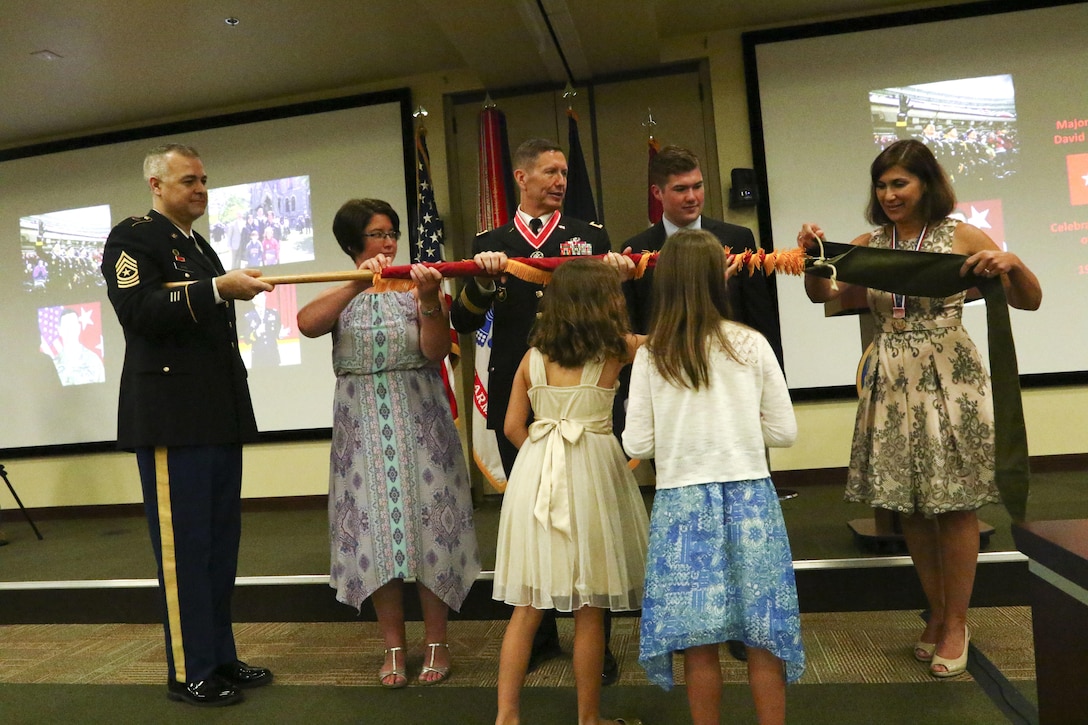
(496, 180)
(653, 204)
(579, 200)
(427, 246)
(496, 209)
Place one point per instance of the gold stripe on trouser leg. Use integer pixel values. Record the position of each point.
(169, 563)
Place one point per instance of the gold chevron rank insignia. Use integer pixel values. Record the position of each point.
(128, 274)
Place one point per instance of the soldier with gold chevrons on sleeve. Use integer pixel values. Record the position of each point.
(185, 410)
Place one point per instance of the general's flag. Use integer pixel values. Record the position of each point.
(427, 245)
(579, 200)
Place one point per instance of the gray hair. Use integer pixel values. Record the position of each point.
(155, 161)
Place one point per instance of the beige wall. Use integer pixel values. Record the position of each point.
(1057, 418)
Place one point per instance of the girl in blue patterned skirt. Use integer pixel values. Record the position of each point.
(707, 397)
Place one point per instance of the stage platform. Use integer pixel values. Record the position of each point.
(97, 566)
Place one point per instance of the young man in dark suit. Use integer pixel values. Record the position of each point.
(538, 229)
(677, 182)
(185, 410)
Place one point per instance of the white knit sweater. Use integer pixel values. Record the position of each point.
(718, 433)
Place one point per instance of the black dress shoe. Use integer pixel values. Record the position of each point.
(541, 653)
(611, 671)
(211, 692)
(242, 676)
(737, 649)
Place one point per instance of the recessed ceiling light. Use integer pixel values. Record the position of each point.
(46, 55)
(232, 21)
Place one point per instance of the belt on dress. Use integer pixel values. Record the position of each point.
(931, 274)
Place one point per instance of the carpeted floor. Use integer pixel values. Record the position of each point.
(114, 673)
(853, 647)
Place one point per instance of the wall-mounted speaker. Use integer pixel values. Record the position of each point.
(743, 192)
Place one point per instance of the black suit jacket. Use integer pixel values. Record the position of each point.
(752, 298)
(183, 382)
(515, 303)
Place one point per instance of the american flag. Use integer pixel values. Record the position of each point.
(427, 247)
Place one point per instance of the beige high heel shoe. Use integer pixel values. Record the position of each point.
(952, 667)
(923, 651)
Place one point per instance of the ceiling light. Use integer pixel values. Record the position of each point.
(46, 55)
(232, 21)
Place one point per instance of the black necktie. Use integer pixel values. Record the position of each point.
(198, 248)
(535, 225)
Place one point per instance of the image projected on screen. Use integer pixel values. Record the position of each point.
(267, 332)
(262, 223)
(62, 250)
(970, 125)
(71, 335)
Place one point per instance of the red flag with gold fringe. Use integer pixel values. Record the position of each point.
(496, 181)
(653, 204)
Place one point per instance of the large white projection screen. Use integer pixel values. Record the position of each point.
(999, 98)
(279, 181)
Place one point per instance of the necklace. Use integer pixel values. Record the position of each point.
(899, 302)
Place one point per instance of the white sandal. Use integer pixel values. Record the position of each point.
(442, 672)
(399, 674)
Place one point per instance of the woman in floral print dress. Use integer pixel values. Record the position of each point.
(924, 437)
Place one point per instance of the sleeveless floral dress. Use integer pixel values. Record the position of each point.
(924, 435)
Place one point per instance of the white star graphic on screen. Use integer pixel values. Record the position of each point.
(85, 318)
(978, 218)
(1085, 177)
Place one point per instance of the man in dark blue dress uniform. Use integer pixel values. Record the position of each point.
(538, 229)
(185, 410)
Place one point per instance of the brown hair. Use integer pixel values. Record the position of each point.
(529, 151)
(583, 315)
(690, 300)
(349, 224)
(671, 161)
(938, 199)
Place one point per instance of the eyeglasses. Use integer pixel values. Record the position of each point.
(383, 235)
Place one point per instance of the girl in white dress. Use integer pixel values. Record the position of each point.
(573, 527)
